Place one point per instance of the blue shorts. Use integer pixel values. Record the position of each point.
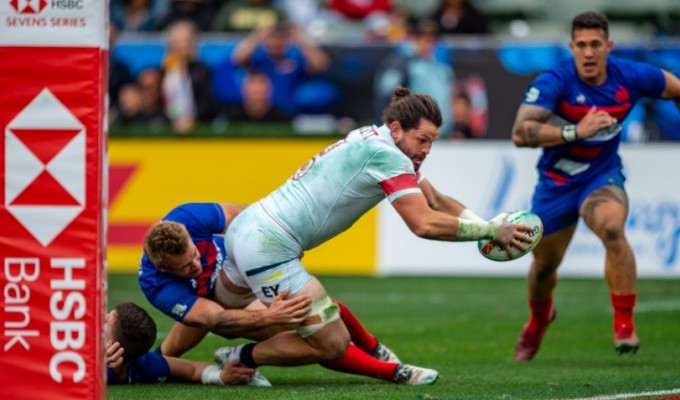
(559, 207)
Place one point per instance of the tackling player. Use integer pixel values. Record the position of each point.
(327, 195)
(131, 333)
(580, 171)
(180, 274)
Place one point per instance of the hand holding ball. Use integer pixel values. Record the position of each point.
(493, 250)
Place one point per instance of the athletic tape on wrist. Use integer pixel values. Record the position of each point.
(211, 375)
(569, 133)
(468, 214)
(469, 230)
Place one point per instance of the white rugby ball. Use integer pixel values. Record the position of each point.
(493, 251)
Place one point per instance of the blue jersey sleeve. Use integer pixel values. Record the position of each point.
(648, 79)
(171, 295)
(202, 220)
(149, 368)
(545, 90)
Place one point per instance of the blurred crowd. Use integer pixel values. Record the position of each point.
(276, 71)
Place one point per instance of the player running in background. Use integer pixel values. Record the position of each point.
(327, 195)
(180, 274)
(130, 334)
(580, 171)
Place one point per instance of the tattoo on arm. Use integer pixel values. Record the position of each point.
(528, 124)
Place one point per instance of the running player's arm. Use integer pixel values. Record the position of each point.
(209, 315)
(672, 89)
(531, 128)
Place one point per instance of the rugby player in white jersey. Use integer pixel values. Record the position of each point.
(325, 197)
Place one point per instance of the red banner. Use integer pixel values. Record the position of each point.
(52, 212)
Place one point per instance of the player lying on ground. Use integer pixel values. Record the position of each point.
(181, 275)
(580, 171)
(130, 334)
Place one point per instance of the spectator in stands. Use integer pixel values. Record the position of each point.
(257, 103)
(201, 12)
(461, 109)
(246, 15)
(416, 67)
(119, 72)
(461, 17)
(141, 102)
(187, 83)
(138, 15)
(294, 64)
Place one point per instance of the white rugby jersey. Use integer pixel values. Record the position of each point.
(336, 187)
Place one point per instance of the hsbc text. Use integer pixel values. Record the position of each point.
(67, 4)
(67, 306)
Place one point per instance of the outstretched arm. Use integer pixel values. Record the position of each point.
(437, 225)
(206, 373)
(531, 128)
(316, 58)
(439, 201)
(246, 47)
(672, 90)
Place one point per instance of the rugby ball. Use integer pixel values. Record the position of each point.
(493, 251)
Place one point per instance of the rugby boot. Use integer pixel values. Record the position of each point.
(529, 340)
(406, 374)
(626, 341)
(383, 353)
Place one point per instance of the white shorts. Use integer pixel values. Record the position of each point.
(262, 256)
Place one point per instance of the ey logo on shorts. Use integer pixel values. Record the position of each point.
(45, 167)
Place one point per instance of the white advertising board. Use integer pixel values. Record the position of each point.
(54, 23)
(490, 177)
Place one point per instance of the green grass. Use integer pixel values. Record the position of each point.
(466, 329)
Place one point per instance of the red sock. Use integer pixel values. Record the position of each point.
(358, 334)
(540, 313)
(623, 312)
(357, 362)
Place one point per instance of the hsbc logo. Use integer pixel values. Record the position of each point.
(28, 6)
(45, 167)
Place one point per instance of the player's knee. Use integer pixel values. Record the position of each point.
(545, 267)
(334, 348)
(612, 232)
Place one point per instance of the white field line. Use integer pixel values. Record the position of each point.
(633, 395)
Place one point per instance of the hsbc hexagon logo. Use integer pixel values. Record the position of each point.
(28, 6)
(45, 167)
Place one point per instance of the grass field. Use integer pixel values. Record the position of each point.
(466, 329)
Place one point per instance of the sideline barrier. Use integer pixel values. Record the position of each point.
(149, 177)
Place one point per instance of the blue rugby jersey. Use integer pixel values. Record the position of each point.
(560, 90)
(175, 296)
(149, 368)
